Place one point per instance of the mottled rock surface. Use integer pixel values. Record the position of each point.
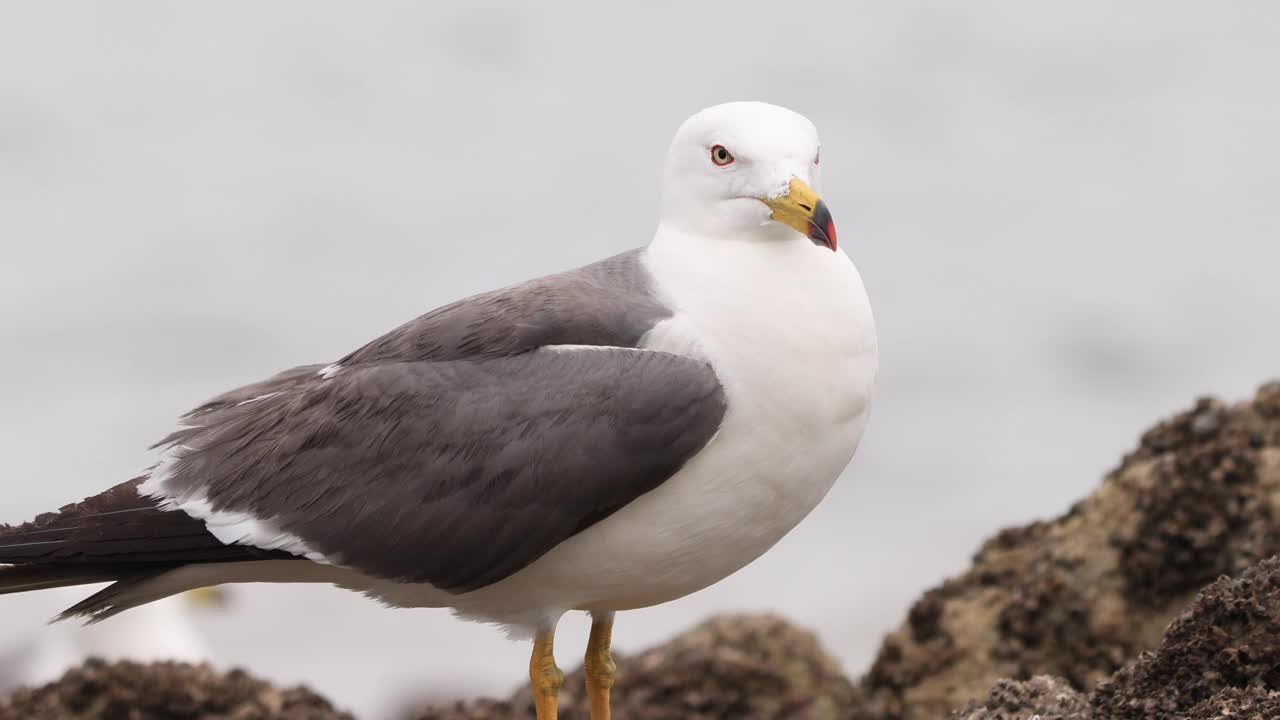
(1078, 596)
(1222, 654)
(1219, 660)
(738, 667)
(1049, 698)
(163, 691)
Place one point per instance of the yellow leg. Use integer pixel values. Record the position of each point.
(545, 677)
(599, 666)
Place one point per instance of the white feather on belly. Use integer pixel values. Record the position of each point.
(798, 361)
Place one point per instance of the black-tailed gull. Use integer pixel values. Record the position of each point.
(608, 438)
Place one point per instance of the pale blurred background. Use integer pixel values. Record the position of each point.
(1066, 215)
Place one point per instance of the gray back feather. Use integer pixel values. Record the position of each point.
(452, 450)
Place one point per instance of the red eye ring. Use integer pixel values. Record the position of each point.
(817, 157)
(720, 156)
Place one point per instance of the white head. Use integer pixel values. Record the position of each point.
(746, 170)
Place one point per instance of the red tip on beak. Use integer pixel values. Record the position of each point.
(822, 229)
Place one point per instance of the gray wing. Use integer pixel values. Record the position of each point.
(457, 473)
(453, 450)
(606, 303)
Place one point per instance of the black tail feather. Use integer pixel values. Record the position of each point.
(24, 578)
(117, 536)
(99, 606)
(112, 600)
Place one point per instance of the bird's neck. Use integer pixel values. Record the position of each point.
(766, 286)
(751, 265)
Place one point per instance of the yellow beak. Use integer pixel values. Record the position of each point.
(802, 210)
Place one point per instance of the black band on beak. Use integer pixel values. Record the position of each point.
(822, 231)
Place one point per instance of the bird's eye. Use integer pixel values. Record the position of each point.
(720, 156)
(817, 157)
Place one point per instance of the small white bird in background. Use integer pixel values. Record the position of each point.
(604, 439)
(162, 630)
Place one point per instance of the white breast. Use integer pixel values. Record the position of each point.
(786, 325)
(789, 331)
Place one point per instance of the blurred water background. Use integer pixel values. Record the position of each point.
(1065, 213)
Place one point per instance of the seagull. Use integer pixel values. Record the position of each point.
(607, 438)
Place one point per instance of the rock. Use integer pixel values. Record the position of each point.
(1219, 659)
(1078, 596)
(1041, 697)
(734, 666)
(127, 690)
